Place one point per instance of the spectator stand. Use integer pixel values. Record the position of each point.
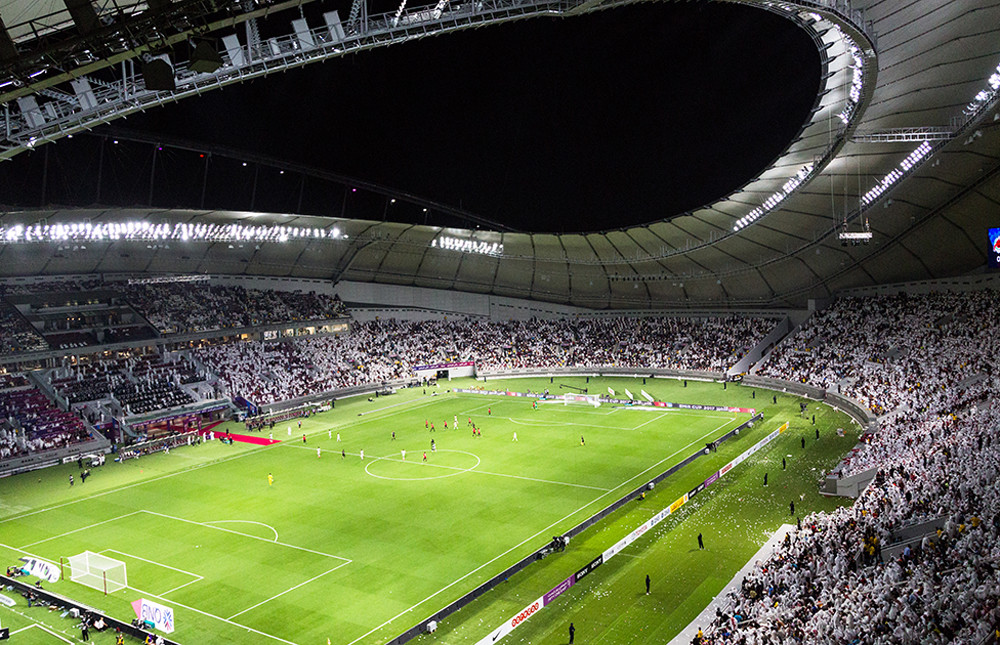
(17, 335)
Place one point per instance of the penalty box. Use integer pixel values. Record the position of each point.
(217, 567)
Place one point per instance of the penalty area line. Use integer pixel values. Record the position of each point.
(247, 535)
(44, 629)
(290, 589)
(205, 613)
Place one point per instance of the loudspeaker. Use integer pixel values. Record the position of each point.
(159, 75)
(83, 15)
(205, 58)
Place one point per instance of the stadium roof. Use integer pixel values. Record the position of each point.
(927, 205)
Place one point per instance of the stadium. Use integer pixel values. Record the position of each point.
(661, 323)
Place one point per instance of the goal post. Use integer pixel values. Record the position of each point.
(593, 400)
(98, 572)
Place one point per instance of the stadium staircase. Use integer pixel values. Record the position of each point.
(911, 535)
(768, 343)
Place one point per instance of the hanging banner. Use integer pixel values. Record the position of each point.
(40, 568)
(162, 617)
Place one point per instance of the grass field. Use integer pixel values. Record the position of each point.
(359, 550)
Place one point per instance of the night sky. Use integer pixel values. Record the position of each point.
(621, 117)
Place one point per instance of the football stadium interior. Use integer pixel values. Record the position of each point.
(373, 413)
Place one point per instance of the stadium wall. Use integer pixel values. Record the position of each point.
(34, 461)
(368, 299)
(632, 372)
(855, 409)
(960, 284)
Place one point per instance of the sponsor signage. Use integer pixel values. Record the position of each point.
(161, 616)
(614, 549)
(6, 600)
(628, 394)
(558, 590)
(726, 469)
(443, 366)
(681, 501)
(712, 479)
(587, 570)
(509, 626)
(40, 568)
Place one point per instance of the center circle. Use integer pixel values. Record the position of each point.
(441, 465)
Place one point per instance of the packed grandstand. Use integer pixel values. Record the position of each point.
(926, 365)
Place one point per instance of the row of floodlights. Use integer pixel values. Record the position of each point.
(897, 173)
(986, 95)
(468, 246)
(857, 82)
(772, 202)
(854, 97)
(145, 231)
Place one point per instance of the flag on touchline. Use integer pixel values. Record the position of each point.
(611, 392)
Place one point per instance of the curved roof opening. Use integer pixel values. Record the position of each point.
(595, 122)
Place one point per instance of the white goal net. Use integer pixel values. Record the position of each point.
(582, 399)
(98, 571)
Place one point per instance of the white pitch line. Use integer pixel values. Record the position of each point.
(247, 535)
(246, 522)
(473, 470)
(178, 604)
(179, 587)
(526, 540)
(213, 462)
(561, 424)
(159, 564)
(278, 595)
(84, 528)
(44, 629)
(420, 404)
(541, 481)
(648, 422)
(146, 481)
(205, 613)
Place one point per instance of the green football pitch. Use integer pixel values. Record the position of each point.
(358, 550)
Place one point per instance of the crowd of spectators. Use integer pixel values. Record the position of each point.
(171, 307)
(933, 359)
(16, 333)
(379, 351)
(180, 307)
(134, 384)
(886, 351)
(827, 583)
(29, 422)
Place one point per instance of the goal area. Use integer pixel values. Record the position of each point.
(98, 572)
(592, 400)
